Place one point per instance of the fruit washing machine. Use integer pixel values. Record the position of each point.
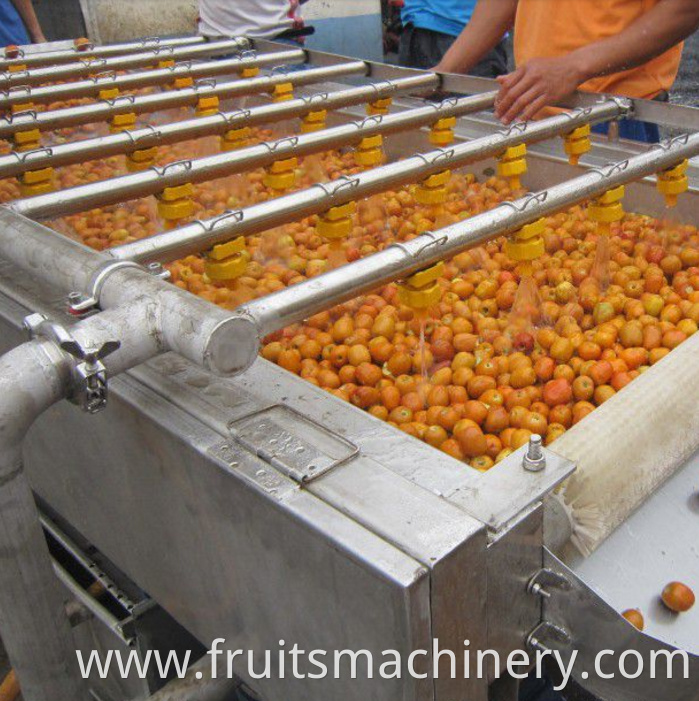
(255, 506)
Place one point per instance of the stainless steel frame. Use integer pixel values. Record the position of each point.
(259, 508)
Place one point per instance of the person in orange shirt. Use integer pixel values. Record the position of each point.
(627, 47)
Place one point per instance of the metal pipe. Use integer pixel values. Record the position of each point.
(205, 334)
(154, 179)
(35, 629)
(46, 58)
(399, 260)
(121, 63)
(200, 236)
(186, 97)
(23, 94)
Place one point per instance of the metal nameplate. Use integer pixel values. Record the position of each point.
(292, 443)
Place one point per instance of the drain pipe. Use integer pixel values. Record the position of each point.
(143, 316)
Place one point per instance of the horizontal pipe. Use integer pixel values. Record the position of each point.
(20, 95)
(155, 179)
(200, 236)
(186, 97)
(296, 303)
(205, 334)
(47, 58)
(79, 68)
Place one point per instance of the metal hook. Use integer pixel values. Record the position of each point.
(342, 183)
(232, 117)
(186, 165)
(210, 225)
(536, 198)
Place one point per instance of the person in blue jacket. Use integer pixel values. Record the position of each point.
(19, 23)
(430, 28)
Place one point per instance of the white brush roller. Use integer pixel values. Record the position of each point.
(626, 449)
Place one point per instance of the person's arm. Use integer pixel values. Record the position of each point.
(541, 82)
(31, 22)
(491, 20)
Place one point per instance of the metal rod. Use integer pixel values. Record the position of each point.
(22, 94)
(105, 109)
(279, 309)
(200, 236)
(121, 63)
(46, 58)
(155, 179)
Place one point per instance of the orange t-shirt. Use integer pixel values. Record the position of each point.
(549, 28)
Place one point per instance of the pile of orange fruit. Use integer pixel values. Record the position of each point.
(475, 388)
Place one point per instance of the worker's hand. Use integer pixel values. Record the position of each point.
(540, 82)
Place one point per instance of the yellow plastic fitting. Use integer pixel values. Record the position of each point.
(527, 244)
(314, 121)
(122, 122)
(226, 261)
(608, 208)
(175, 203)
(17, 67)
(250, 72)
(673, 182)
(21, 107)
(380, 106)
(281, 175)
(235, 138)
(336, 223)
(166, 63)
(27, 140)
(183, 82)
(108, 94)
(513, 164)
(421, 290)
(142, 159)
(36, 182)
(370, 151)
(442, 131)
(283, 92)
(433, 189)
(577, 143)
(207, 106)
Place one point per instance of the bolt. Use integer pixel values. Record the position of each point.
(534, 460)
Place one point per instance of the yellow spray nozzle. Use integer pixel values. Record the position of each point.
(175, 203)
(577, 143)
(283, 92)
(421, 290)
(207, 106)
(235, 138)
(336, 223)
(314, 121)
(442, 131)
(281, 175)
(141, 159)
(226, 261)
(379, 106)
(432, 190)
(513, 164)
(608, 208)
(27, 140)
(673, 182)
(166, 63)
(122, 122)
(370, 151)
(36, 182)
(527, 244)
(108, 93)
(250, 72)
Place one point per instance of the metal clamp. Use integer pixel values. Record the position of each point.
(89, 390)
(237, 214)
(320, 97)
(334, 188)
(536, 198)
(185, 164)
(80, 303)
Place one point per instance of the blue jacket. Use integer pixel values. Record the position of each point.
(12, 29)
(446, 16)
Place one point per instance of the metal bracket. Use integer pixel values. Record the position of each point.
(89, 389)
(292, 443)
(544, 632)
